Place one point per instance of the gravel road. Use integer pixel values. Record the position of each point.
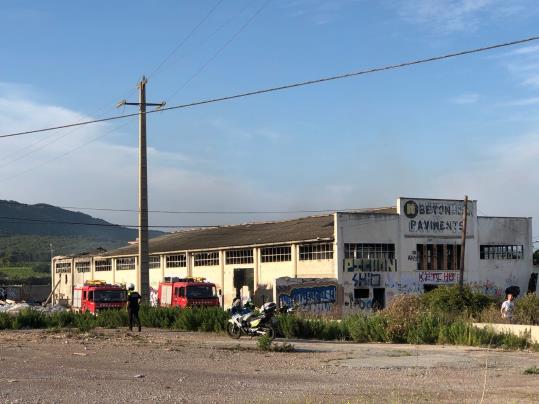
(164, 366)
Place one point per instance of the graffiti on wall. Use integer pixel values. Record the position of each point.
(366, 279)
(369, 265)
(438, 278)
(315, 295)
(488, 288)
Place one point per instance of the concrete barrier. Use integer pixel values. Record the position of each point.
(516, 329)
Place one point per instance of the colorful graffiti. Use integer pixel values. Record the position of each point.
(366, 279)
(308, 294)
(369, 265)
(488, 288)
(438, 278)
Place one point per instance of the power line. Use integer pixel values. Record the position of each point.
(46, 221)
(221, 49)
(182, 42)
(285, 87)
(216, 212)
(53, 159)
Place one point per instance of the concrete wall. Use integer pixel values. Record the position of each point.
(365, 229)
(495, 275)
(520, 330)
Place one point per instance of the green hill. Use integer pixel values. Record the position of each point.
(29, 234)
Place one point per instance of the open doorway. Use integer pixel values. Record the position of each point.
(428, 287)
(244, 277)
(378, 298)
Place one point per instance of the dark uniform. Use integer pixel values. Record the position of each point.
(133, 305)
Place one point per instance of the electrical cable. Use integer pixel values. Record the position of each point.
(283, 87)
(220, 50)
(182, 42)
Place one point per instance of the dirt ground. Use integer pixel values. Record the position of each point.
(165, 366)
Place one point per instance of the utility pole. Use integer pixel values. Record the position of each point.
(143, 269)
(463, 243)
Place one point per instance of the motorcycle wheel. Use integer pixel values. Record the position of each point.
(269, 332)
(233, 331)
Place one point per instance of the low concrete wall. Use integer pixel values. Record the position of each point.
(516, 329)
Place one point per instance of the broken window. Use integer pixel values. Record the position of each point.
(438, 257)
(318, 251)
(208, 258)
(239, 257)
(501, 252)
(124, 264)
(155, 261)
(276, 254)
(103, 265)
(369, 251)
(63, 267)
(83, 266)
(176, 261)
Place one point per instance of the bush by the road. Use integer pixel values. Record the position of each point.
(196, 319)
(527, 310)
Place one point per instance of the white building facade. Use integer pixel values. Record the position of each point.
(355, 260)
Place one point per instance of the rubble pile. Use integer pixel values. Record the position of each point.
(13, 308)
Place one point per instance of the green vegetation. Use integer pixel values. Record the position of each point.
(25, 274)
(412, 319)
(196, 319)
(534, 370)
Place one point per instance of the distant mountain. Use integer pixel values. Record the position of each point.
(27, 232)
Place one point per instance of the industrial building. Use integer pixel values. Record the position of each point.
(346, 260)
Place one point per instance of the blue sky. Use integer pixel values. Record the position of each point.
(467, 125)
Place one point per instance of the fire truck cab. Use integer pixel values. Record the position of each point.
(186, 292)
(95, 296)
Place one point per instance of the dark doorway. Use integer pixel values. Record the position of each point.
(244, 277)
(378, 298)
(428, 288)
(532, 284)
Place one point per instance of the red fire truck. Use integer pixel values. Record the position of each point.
(186, 292)
(95, 296)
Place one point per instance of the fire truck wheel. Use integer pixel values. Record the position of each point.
(233, 330)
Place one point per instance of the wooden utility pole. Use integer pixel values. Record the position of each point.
(143, 268)
(463, 243)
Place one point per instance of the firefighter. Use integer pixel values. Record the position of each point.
(133, 305)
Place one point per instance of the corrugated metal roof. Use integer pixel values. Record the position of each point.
(302, 229)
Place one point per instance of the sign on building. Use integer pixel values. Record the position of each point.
(435, 217)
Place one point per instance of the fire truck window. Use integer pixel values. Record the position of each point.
(84, 295)
(90, 295)
(182, 292)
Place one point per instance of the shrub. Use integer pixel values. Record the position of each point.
(401, 315)
(29, 318)
(367, 328)
(527, 310)
(264, 343)
(425, 331)
(450, 302)
(534, 370)
(5, 321)
(207, 319)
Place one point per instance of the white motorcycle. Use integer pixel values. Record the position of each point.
(251, 324)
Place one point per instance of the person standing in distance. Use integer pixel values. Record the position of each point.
(508, 307)
(133, 305)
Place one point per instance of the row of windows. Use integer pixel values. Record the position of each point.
(311, 252)
(209, 258)
(501, 252)
(438, 257)
(239, 257)
(62, 267)
(124, 264)
(155, 261)
(369, 251)
(276, 254)
(103, 265)
(83, 266)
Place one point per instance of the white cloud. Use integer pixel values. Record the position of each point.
(463, 99)
(318, 12)
(523, 64)
(524, 102)
(449, 16)
(56, 170)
